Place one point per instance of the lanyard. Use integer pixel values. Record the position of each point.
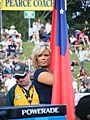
(27, 93)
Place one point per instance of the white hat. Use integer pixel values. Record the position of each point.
(6, 30)
(12, 27)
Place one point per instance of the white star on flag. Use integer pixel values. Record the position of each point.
(61, 11)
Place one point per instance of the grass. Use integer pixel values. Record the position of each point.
(27, 50)
(77, 68)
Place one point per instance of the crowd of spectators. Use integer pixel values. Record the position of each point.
(79, 41)
(40, 32)
(11, 46)
(11, 42)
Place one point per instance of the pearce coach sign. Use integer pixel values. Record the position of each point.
(26, 4)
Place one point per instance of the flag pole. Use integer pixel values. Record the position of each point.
(65, 4)
(62, 92)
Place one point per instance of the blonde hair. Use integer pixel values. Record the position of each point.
(39, 49)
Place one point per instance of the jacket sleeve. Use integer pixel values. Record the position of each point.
(9, 99)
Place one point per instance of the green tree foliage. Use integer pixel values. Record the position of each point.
(16, 18)
(78, 6)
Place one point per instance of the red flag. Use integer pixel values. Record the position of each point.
(60, 60)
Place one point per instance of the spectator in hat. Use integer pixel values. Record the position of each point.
(82, 109)
(12, 31)
(23, 93)
(10, 81)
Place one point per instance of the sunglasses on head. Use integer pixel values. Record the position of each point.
(20, 77)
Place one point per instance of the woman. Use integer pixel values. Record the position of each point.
(43, 77)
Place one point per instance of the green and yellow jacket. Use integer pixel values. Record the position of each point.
(18, 96)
